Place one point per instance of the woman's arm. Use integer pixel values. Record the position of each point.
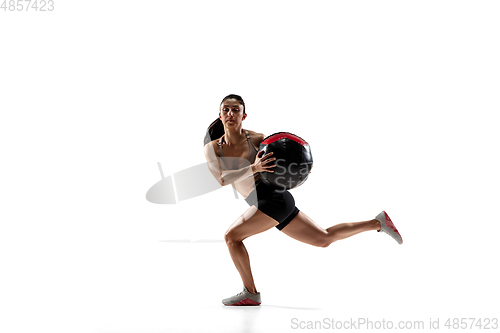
(225, 177)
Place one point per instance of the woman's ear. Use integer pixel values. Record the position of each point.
(244, 116)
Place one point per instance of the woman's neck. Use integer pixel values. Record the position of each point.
(234, 136)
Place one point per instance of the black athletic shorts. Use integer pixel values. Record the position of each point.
(274, 203)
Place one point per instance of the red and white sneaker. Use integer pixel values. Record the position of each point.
(388, 227)
(243, 298)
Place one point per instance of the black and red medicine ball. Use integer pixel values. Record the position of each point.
(293, 160)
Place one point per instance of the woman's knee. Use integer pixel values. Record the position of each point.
(229, 236)
(323, 242)
(232, 235)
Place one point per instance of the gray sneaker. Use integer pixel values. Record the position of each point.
(243, 298)
(388, 227)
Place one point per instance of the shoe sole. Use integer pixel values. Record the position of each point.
(393, 231)
(244, 302)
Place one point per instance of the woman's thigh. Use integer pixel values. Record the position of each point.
(304, 229)
(251, 222)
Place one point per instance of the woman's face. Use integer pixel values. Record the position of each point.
(231, 113)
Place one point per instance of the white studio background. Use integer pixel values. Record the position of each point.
(398, 100)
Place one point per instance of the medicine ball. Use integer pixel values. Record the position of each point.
(293, 160)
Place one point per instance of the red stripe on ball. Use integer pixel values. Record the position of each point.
(284, 135)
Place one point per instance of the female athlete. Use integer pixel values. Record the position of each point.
(233, 158)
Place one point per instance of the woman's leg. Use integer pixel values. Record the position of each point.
(304, 229)
(252, 222)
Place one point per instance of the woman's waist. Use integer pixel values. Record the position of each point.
(247, 185)
(260, 190)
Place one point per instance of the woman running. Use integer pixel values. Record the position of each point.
(233, 158)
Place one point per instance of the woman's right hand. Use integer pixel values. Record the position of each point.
(261, 163)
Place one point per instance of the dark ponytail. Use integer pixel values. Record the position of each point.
(216, 128)
(214, 131)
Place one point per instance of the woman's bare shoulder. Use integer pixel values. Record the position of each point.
(212, 145)
(256, 138)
